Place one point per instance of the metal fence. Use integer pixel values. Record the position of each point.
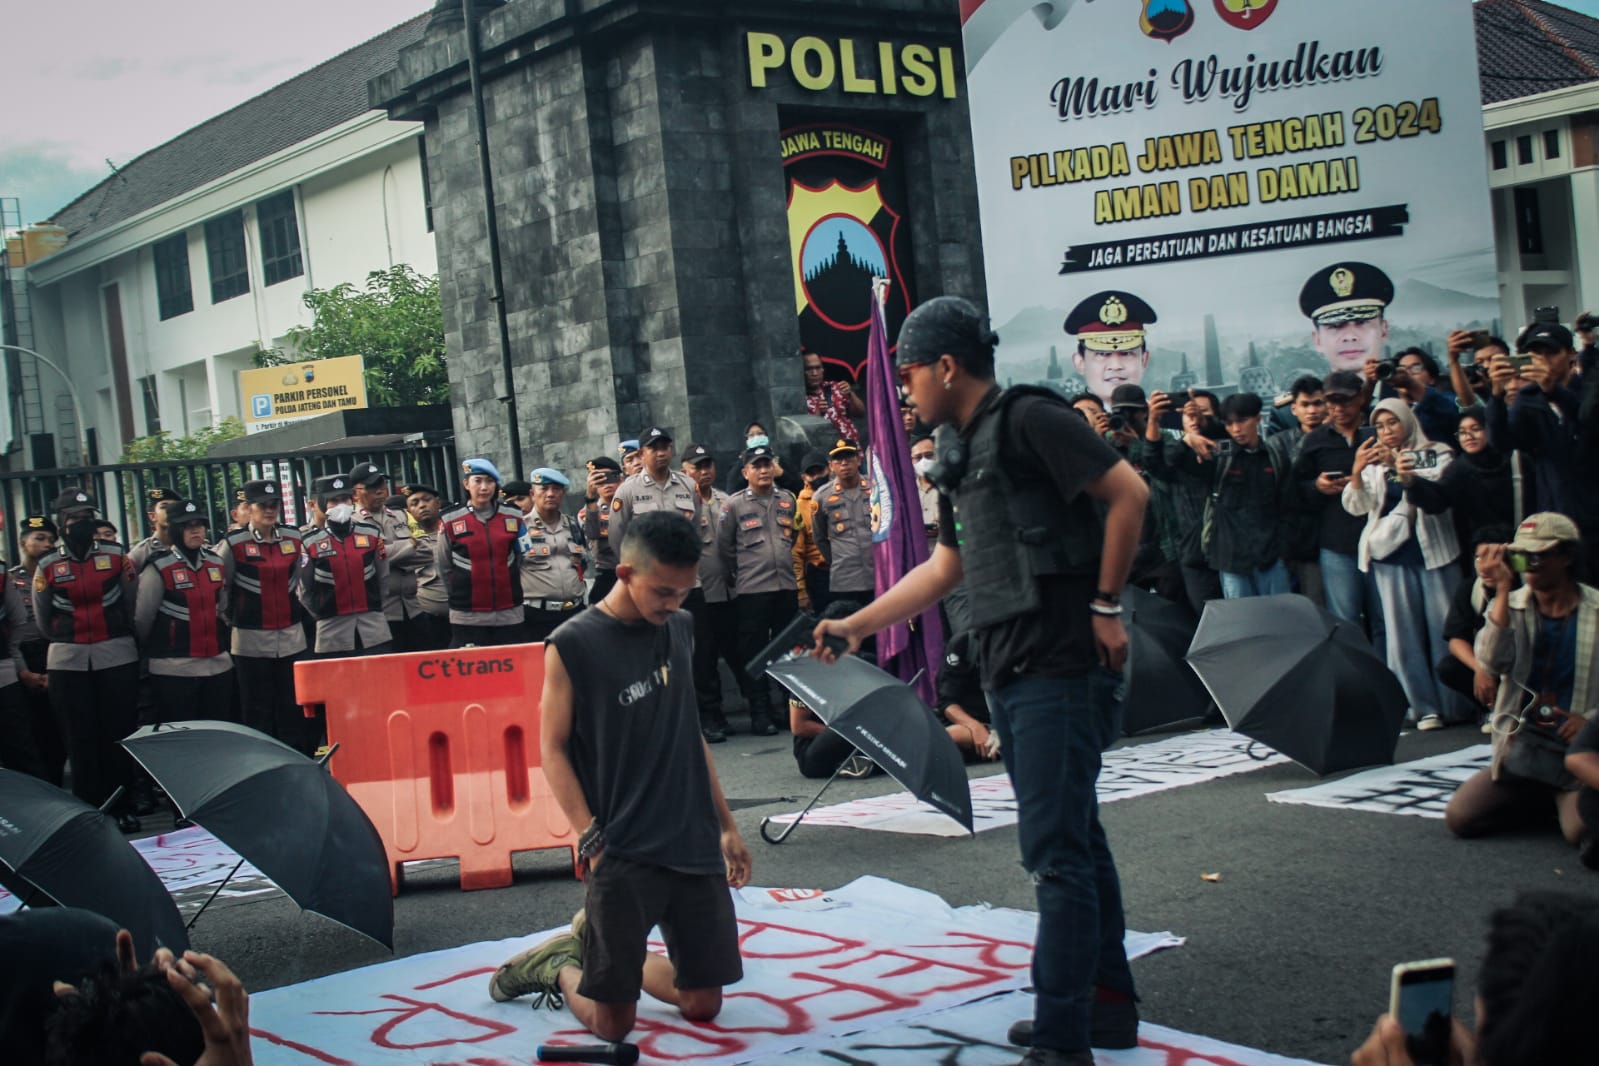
(121, 489)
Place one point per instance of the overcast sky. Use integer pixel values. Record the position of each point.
(98, 79)
(109, 79)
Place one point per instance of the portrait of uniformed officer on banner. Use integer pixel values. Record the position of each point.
(1112, 349)
(1347, 304)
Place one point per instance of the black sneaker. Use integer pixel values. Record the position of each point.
(1111, 1027)
(713, 733)
(761, 725)
(129, 823)
(858, 765)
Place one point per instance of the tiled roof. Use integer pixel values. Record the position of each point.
(302, 107)
(1526, 47)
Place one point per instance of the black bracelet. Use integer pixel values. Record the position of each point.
(592, 842)
(1108, 597)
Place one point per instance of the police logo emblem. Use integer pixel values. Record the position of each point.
(63, 569)
(252, 551)
(458, 527)
(363, 541)
(510, 525)
(288, 547)
(1343, 282)
(215, 574)
(102, 562)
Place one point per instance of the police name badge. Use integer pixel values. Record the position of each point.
(511, 525)
(363, 541)
(289, 547)
(102, 562)
(458, 527)
(252, 551)
(215, 574)
(753, 522)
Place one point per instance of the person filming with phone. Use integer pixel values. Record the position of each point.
(1543, 640)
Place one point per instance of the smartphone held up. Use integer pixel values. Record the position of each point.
(1422, 1001)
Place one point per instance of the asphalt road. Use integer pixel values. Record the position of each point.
(1290, 952)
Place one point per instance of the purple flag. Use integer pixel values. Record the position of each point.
(899, 538)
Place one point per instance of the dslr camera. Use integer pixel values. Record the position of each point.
(1386, 369)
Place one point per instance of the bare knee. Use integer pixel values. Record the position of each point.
(699, 1004)
(613, 1021)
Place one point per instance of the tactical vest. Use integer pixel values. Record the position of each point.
(344, 573)
(87, 605)
(1012, 534)
(484, 560)
(188, 624)
(263, 579)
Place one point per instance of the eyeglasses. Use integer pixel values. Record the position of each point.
(1469, 431)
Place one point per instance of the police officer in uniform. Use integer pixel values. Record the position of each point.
(1043, 519)
(632, 461)
(844, 526)
(160, 538)
(19, 750)
(260, 564)
(716, 619)
(36, 538)
(1347, 304)
(605, 477)
(552, 566)
(755, 539)
(371, 491)
(343, 575)
(429, 606)
(178, 620)
(83, 601)
(657, 487)
(479, 556)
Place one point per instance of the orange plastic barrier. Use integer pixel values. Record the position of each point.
(441, 749)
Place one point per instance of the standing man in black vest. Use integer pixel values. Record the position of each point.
(1023, 480)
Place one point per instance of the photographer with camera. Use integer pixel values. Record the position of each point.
(1178, 502)
(1470, 380)
(1412, 555)
(1410, 376)
(1543, 641)
(1249, 489)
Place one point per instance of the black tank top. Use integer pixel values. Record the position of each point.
(635, 741)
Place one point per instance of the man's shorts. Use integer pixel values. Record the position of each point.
(627, 899)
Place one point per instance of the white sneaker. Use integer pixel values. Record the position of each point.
(1430, 722)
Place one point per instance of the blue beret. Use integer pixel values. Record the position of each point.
(480, 466)
(546, 475)
(628, 447)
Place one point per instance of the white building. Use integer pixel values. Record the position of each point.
(179, 266)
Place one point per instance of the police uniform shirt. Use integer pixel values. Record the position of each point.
(13, 624)
(756, 542)
(339, 632)
(713, 578)
(259, 643)
(550, 574)
(596, 521)
(141, 553)
(152, 591)
(24, 627)
(69, 655)
(844, 533)
(428, 595)
(641, 494)
(511, 616)
(400, 547)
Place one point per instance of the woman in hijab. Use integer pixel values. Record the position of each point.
(1412, 553)
(1478, 488)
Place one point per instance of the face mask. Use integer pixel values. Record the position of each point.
(924, 465)
(80, 535)
(760, 440)
(341, 513)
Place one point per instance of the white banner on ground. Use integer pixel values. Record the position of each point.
(1421, 788)
(817, 966)
(1180, 171)
(974, 1035)
(191, 863)
(1128, 772)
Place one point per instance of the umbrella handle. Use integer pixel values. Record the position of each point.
(798, 817)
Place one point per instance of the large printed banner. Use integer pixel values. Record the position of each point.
(1209, 192)
(1421, 788)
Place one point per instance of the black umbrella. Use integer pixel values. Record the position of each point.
(1161, 692)
(886, 720)
(1300, 681)
(281, 811)
(60, 847)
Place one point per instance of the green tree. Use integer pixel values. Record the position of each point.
(396, 323)
(164, 447)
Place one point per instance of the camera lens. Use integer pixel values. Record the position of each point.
(1117, 423)
(1385, 370)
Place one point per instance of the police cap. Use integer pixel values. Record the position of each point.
(480, 466)
(182, 513)
(516, 488)
(262, 492)
(36, 523)
(843, 448)
(330, 486)
(697, 454)
(1346, 292)
(1111, 321)
(367, 474)
(548, 475)
(761, 451)
(160, 494)
(72, 499)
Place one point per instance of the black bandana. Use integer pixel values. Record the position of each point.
(945, 325)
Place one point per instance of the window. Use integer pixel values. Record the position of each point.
(224, 253)
(1524, 149)
(427, 184)
(1551, 144)
(152, 406)
(280, 237)
(1501, 155)
(174, 294)
(1529, 221)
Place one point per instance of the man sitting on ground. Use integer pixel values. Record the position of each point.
(961, 703)
(624, 757)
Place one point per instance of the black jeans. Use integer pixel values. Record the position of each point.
(268, 703)
(96, 710)
(760, 616)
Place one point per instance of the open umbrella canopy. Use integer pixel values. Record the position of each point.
(281, 811)
(55, 844)
(886, 720)
(1300, 681)
(1162, 691)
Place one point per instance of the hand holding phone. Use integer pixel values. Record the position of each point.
(1421, 998)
